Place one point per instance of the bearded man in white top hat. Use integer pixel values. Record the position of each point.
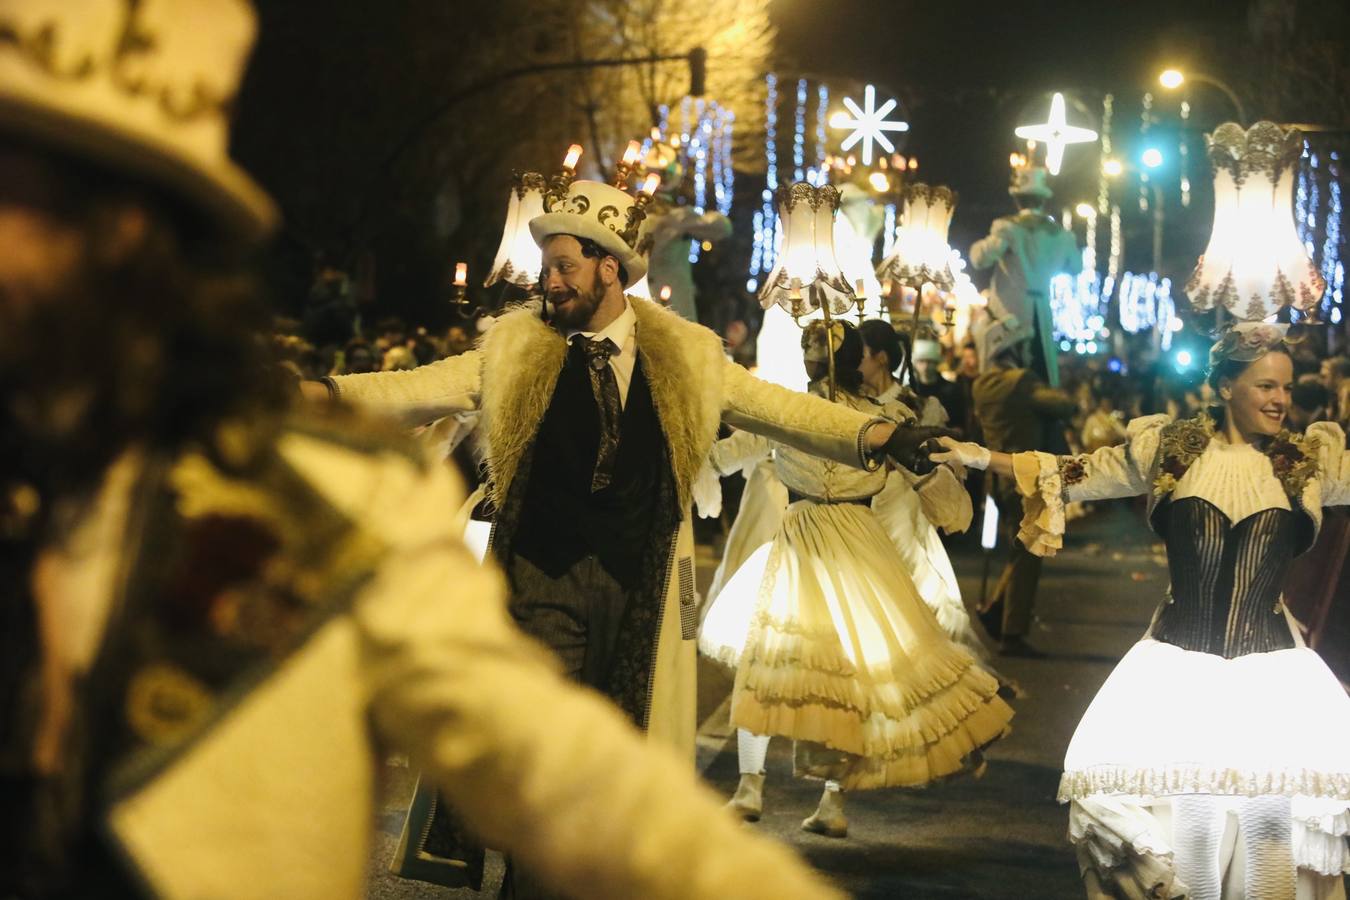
(597, 419)
(217, 617)
(1028, 250)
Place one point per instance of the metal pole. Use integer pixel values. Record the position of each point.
(913, 335)
(829, 334)
(1232, 95)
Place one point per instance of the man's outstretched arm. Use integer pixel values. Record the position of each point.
(414, 397)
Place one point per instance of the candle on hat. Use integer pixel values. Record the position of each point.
(570, 160)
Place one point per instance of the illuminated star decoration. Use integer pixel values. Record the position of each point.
(1056, 134)
(868, 124)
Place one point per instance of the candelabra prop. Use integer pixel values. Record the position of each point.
(808, 276)
(518, 257)
(921, 255)
(459, 292)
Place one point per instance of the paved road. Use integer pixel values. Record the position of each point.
(999, 837)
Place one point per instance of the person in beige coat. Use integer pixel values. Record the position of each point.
(543, 434)
(217, 617)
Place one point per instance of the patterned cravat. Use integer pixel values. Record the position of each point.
(595, 356)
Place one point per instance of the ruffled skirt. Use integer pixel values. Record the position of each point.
(833, 646)
(1170, 721)
(925, 558)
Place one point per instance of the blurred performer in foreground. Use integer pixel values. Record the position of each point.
(216, 617)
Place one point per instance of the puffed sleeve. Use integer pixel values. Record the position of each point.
(1047, 482)
(1333, 462)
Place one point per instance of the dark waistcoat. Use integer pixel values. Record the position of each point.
(561, 520)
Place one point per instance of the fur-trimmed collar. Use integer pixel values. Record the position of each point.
(522, 357)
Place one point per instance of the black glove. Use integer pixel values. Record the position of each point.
(909, 446)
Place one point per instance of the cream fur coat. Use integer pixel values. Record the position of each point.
(694, 387)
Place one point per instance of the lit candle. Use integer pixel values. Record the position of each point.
(665, 294)
(796, 289)
(656, 135)
(570, 160)
(861, 289)
(461, 274)
(650, 184)
(630, 155)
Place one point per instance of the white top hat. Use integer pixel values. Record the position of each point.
(599, 212)
(139, 87)
(1030, 182)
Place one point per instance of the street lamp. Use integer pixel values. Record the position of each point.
(1171, 79)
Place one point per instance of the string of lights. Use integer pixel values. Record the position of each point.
(822, 107)
(765, 219)
(1317, 214)
(799, 134)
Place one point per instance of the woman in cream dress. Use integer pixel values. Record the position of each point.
(1215, 760)
(831, 643)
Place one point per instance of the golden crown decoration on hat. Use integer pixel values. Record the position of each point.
(559, 197)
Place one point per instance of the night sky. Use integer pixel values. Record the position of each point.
(332, 82)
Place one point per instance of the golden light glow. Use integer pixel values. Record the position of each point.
(1112, 167)
(879, 181)
(570, 160)
(631, 153)
(461, 274)
(1085, 210)
(1171, 79)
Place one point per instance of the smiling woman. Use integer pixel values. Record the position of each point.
(1220, 712)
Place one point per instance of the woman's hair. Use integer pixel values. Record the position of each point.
(848, 351)
(880, 337)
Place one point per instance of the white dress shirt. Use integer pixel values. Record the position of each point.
(623, 332)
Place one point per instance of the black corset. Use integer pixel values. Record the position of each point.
(1226, 578)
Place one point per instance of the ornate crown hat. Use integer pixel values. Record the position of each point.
(604, 213)
(1248, 342)
(142, 87)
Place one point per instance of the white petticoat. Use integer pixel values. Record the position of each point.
(1173, 721)
(1170, 721)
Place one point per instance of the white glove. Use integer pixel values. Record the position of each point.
(964, 453)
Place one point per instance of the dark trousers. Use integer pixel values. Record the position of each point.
(1016, 586)
(578, 616)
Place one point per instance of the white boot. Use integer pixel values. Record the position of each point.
(748, 801)
(829, 818)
